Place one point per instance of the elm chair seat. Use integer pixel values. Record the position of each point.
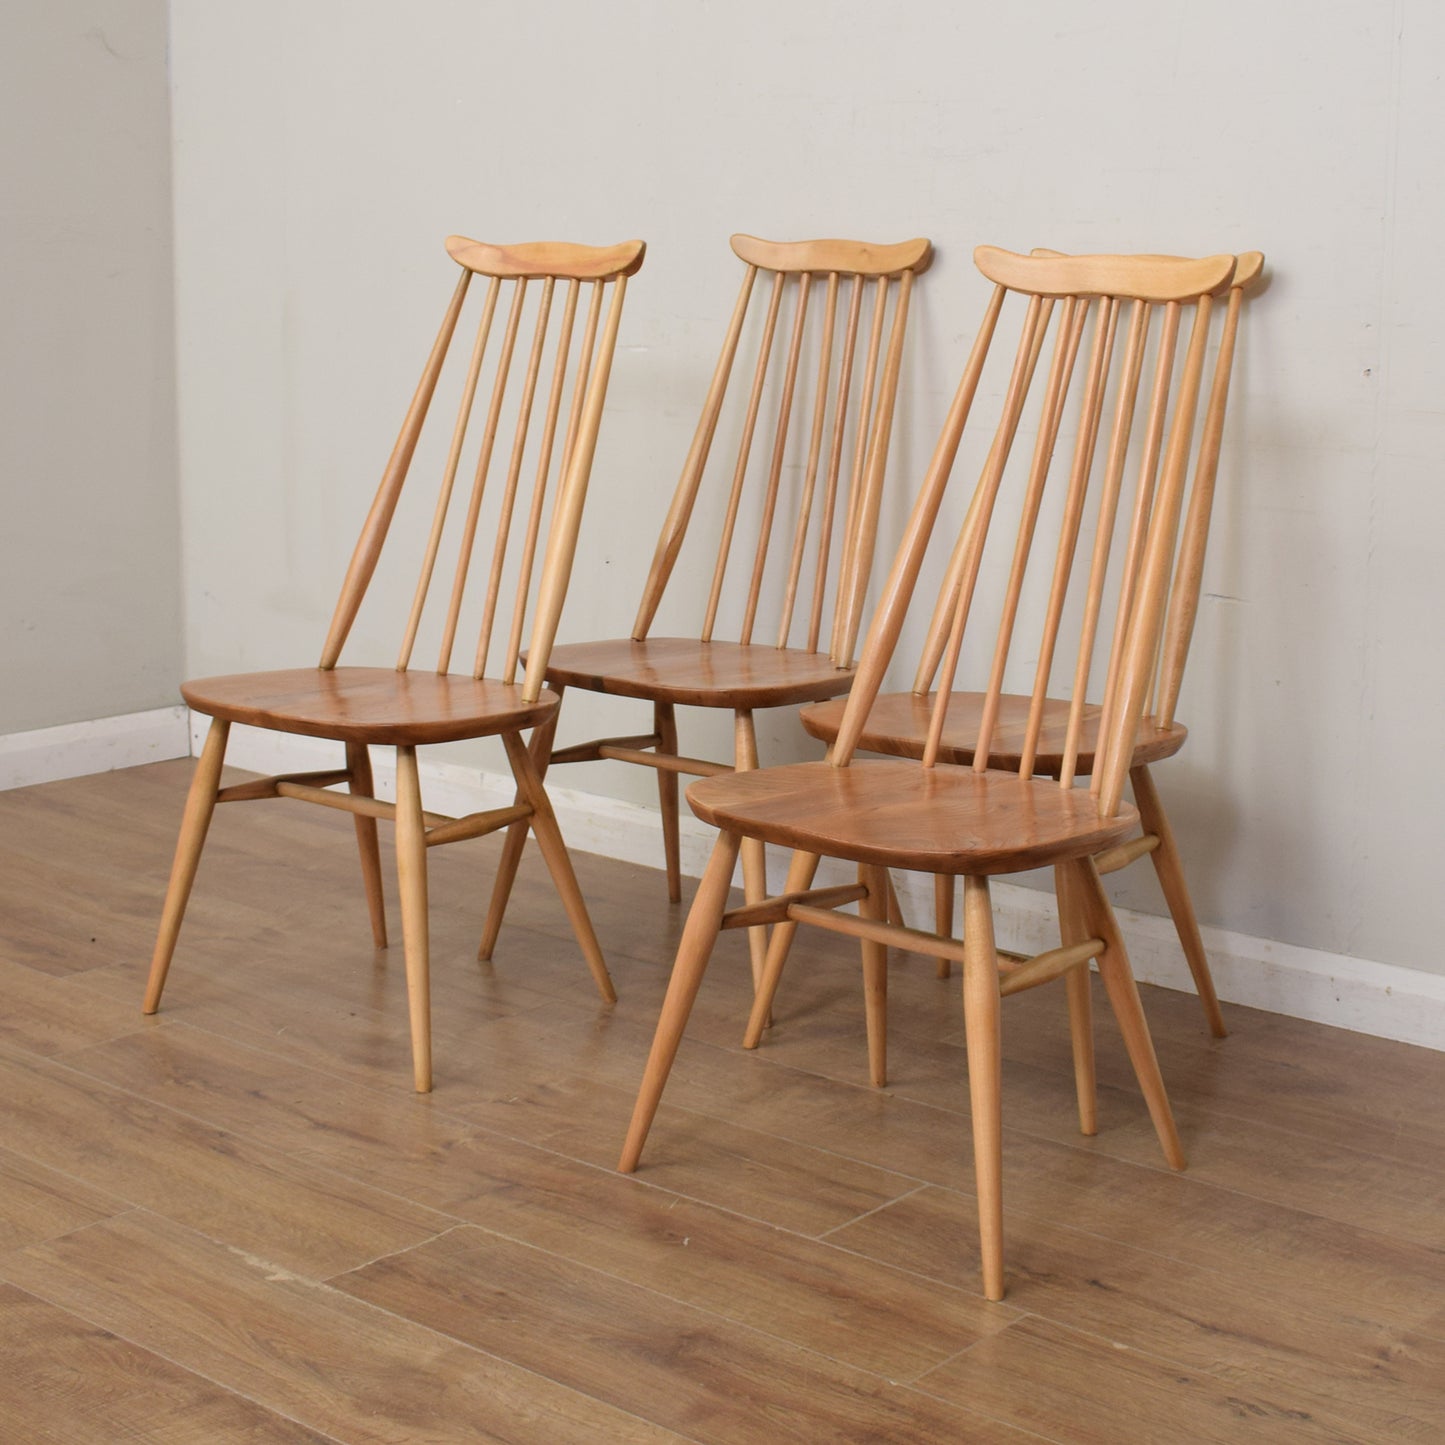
(370, 704)
(683, 670)
(897, 725)
(940, 820)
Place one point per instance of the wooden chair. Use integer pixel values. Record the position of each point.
(564, 287)
(978, 822)
(898, 723)
(829, 441)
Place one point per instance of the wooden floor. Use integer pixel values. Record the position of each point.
(235, 1222)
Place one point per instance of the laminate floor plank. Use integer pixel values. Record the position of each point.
(69, 1382)
(247, 1193)
(38, 1203)
(786, 1182)
(1073, 1386)
(804, 1290)
(49, 1014)
(1312, 1336)
(697, 1373)
(1358, 1093)
(1350, 1185)
(1400, 1191)
(296, 1346)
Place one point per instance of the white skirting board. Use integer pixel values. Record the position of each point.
(1353, 993)
(76, 750)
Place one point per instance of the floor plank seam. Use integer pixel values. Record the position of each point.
(330, 1280)
(869, 1213)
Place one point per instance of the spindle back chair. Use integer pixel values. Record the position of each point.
(805, 390)
(898, 723)
(1093, 406)
(574, 295)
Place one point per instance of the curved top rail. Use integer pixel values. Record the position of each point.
(861, 258)
(1248, 265)
(548, 258)
(1136, 278)
(1247, 268)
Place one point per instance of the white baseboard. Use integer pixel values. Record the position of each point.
(1352, 993)
(76, 750)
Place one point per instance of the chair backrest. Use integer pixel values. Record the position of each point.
(577, 371)
(1086, 411)
(829, 414)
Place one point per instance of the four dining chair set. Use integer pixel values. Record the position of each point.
(1091, 410)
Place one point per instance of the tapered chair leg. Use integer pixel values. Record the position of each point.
(874, 905)
(801, 871)
(664, 724)
(411, 878)
(985, 1075)
(699, 935)
(944, 886)
(358, 763)
(1169, 868)
(1123, 994)
(1073, 929)
(755, 863)
(515, 841)
(200, 804)
(559, 864)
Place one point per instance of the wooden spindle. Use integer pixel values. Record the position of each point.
(1184, 599)
(810, 470)
(539, 489)
(879, 439)
(674, 527)
(744, 450)
(1143, 502)
(903, 576)
(775, 466)
(383, 507)
(835, 469)
(1036, 326)
(449, 476)
(479, 479)
(567, 511)
(1083, 463)
(857, 485)
(974, 533)
(1131, 371)
(1065, 350)
(1142, 639)
(514, 473)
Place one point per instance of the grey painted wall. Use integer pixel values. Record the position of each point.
(89, 542)
(323, 150)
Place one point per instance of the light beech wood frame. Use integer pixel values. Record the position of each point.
(577, 295)
(976, 822)
(847, 315)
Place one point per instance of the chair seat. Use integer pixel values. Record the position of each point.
(703, 674)
(898, 724)
(369, 704)
(930, 820)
